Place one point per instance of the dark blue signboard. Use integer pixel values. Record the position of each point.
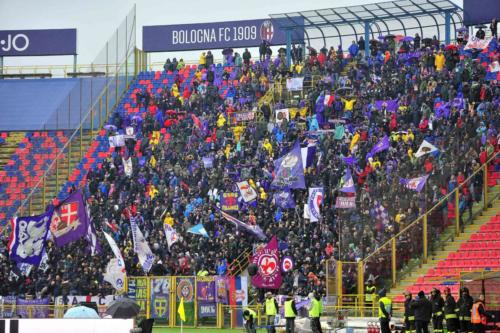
(481, 11)
(37, 42)
(217, 35)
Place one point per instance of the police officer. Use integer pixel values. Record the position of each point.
(370, 293)
(409, 314)
(315, 311)
(384, 311)
(290, 313)
(271, 307)
(450, 311)
(437, 310)
(464, 305)
(249, 315)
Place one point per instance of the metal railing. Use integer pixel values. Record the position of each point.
(411, 246)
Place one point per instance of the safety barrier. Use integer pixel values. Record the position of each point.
(410, 247)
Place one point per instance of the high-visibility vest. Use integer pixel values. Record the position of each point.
(270, 307)
(387, 305)
(251, 313)
(369, 291)
(288, 309)
(476, 317)
(315, 310)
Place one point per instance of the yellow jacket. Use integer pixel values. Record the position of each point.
(221, 120)
(202, 60)
(354, 141)
(439, 62)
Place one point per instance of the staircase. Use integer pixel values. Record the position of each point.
(451, 243)
(9, 147)
(58, 176)
(238, 265)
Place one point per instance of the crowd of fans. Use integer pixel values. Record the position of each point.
(170, 184)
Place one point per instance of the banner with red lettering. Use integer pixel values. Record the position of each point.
(268, 266)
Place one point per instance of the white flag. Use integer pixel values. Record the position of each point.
(115, 274)
(141, 247)
(314, 202)
(171, 235)
(115, 249)
(247, 191)
(425, 148)
(127, 166)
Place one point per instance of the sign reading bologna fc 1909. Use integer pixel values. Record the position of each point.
(217, 35)
(268, 266)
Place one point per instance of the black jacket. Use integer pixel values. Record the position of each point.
(449, 305)
(437, 305)
(465, 305)
(423, 309)
(409, 311)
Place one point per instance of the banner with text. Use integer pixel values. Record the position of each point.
(160, 299)
(217, 35)
(205, 295)
(37, 42)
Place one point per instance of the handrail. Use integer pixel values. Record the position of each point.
(61, 150)
(440, 202)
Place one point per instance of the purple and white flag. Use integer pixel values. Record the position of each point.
(171, 235)
(27, 242)
(289, 171)
(381, 213)
(284, 199)
(255, 229)
(382, 145)
(416, 184)
(70, 221)
(347, 182)
(390, 105)
(308, 155)
(314, 202)
(93, 243)
(141, 246)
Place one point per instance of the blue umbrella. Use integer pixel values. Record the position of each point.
(408, 39)
(81, 312)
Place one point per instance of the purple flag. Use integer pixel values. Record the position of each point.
(284, 199)
(70, 220)
(288, 170)
(27, 242)
(380, 146)
(253, 229)
(268, 266)
(314, 202)
(390, 104)
(350, 160)
(347, 182)
(416, 184)
(221, 287)
(380, 213)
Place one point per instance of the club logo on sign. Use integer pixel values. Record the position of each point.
(267, 264)
(267, 30)
(66, 221)
(185, 289)
(286, 264)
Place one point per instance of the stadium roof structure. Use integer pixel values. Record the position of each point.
(426, 17)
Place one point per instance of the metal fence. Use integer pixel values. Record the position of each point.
(412, 245)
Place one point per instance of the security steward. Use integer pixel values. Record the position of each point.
(437, 310)
(250, 316)
(315, 311)
(384, 311)
(271, 306)
(464, 305)
(409, 314)
(290, 313)
(479, 315)
(450, 311)
(370, 293)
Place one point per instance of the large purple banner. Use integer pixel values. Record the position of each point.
(480, 11)
(37, 42)
(217, 35)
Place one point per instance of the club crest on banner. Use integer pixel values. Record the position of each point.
(185, 289)
(160, 307)
(267, 30)
(268, 266)
(287, 264)
(65, 220)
